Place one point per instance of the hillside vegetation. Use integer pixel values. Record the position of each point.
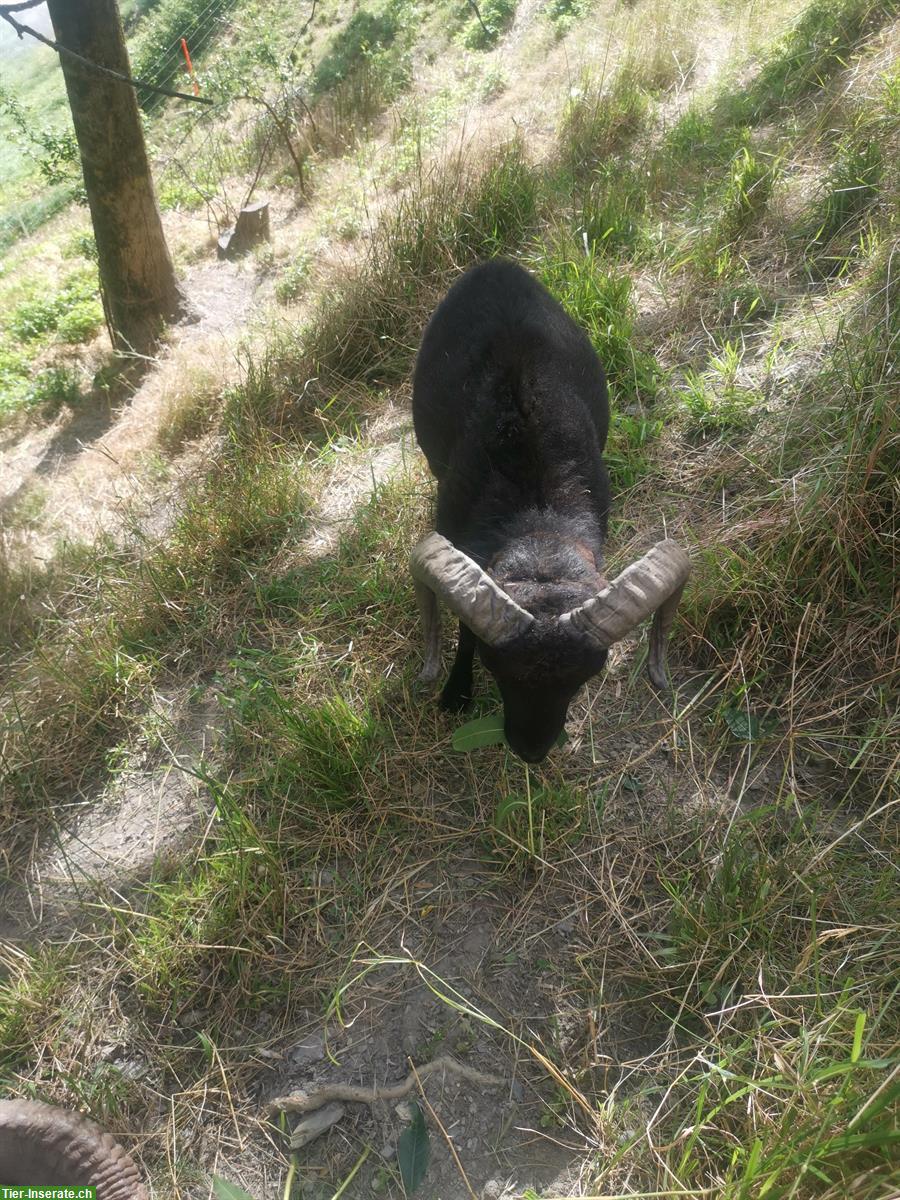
(239, 853)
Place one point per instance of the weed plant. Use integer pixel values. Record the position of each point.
(715, 402)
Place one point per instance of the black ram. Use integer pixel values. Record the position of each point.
(510, 409)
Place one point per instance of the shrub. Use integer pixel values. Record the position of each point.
(31, 318)
(294, 280)
(564, 12)
(74, 311)
(496, 17)
(14, 368)
(80, 322)
(54, 387)
(81, 245)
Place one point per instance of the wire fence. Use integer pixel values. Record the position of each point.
(251, 115)
(275, 96)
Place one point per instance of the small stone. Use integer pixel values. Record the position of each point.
(315, 1124)
(404, 1111)
(310, 1050)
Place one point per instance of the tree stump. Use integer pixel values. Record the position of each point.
(252, 228)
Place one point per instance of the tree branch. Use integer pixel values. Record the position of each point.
(309, 19)
(6, 11)
(285, 133)
(477, 12)
(304, 1103)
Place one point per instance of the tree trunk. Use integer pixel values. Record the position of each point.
(141, 293)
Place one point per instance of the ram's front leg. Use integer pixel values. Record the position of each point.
(457, 693)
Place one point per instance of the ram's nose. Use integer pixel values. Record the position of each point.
(532, 746)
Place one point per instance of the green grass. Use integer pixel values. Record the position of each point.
(746, 191)
(626, 454)
(613, 210)
(831, 468)
(370, 39)
(366, 333)
(792, 1100)
(101, 655)
(600, 121)
(847, 193)
(42, 319)
(24, 217)
(602, 303)
(806, 58)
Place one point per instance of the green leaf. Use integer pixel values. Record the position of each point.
(506, 807)
(413, 1152)
(483, 731)
(487, 731)
(229, 1191)
(747, 725)
(858, 1037)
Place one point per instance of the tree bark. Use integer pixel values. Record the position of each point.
(140, 291)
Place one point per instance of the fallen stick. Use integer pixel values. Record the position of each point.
(348, 1093)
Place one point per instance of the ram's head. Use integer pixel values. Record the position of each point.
(540, 662)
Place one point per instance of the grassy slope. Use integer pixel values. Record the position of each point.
(739, 281)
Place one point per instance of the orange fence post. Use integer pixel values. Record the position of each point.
(190, 66)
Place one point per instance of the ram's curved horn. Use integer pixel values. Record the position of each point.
(46, 1146)
(653, 584)
(438, 568)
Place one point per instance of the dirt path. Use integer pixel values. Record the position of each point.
(153, 812)
(90, 464)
